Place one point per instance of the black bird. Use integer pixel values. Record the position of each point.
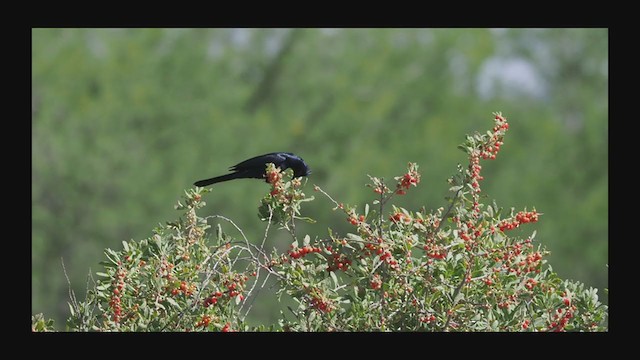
(255, 167)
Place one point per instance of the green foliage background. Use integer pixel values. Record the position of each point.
(124, 119)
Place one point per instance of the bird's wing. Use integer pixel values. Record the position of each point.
(290, 160)
(259, 162)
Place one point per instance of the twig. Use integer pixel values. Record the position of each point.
(316, 187)
(456, 292)
(453, 202)
(72, 295)
(266, 230)
(237, 228)
(380, 211)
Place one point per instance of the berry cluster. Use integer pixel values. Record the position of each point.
(521, 217)
(429, 318)
(359, 221)
(474, 165)
(382, 252)
(338, 261)
(491, 148)
(512, 260)
(380, 189)
(116, 299)
(321, 304)
(488, 150)
(468, 231)
(274, 177)
(212, 299)
(204, 322)
(387, 257)
(530, 284)
(562, 315)
(296, 253)
(235, 286)
(376, 282)
(166, 269)
(283, 194)
(378, 185)
(400, 217)
(511, 299)
(355, 220)
(434, 250)
(404, 182)
(184, 288)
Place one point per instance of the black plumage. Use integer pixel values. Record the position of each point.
(254, 168)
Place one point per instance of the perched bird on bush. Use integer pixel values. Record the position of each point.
(254, 168)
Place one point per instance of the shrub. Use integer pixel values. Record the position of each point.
(462, 267)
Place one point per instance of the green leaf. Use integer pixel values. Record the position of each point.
(355, 292)
(494, 325)
(161, 306)
(306, 241)
(172, 302)
(334, 278)
(366, 210)
(125, 245)
(354, 237)
(108, 264)
(112, 256)
(219, 233)
(157, 241)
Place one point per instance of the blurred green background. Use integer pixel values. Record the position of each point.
(123, 120)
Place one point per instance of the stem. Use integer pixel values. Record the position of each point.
(327, 195)
(456, 292)
(292, 228)
(453, 202)
(266, 230)
(382, 202)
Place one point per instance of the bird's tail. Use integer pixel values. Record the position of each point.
(217, 179)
